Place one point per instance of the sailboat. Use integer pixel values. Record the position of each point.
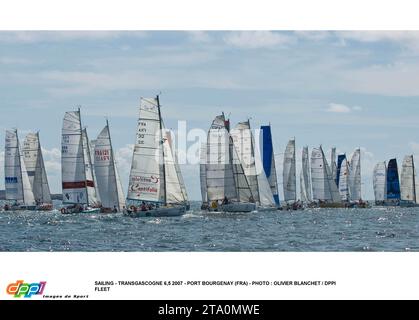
(155, 181)
(268, 160)
(17, 184)
(408, 183)
(343, 182)
(355, 176)
(78, 181)
(227, 186)
(380, 183)
(289, 173)
(249, 157)
(106, 173)
(305, 178)
(325, 190)
(34, 162)
(393, 184)
(333, 163)
(203, 175)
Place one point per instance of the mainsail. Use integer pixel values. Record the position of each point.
(324, 186)
(35, 167)
(333, 163)
(355, 175)
(244, 146)
(341, 157)
(380, 181)
(106, 172)
(155, 175)
(220, 177)
(408, 180)
(17, 184)
(76, 166)
(289, 172)
(393, 184)
(305, 179)
(343, 185)
(268, 160)
(147, 177)
(203, 173)
(175, 188)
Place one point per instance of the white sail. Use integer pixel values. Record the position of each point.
(407, 180)
(324, 187)
(303, 193)
(106, 173)
(35, 167)
(289, 173)
(333, 166)
(174, 190)
(355, 175)
(266, 197)
(17, 184)
(76, 168)
(244, 193)
(305, 179)
(92, 190)
(146, 181)
(344, 181)
(221, 180)
(203, 172)
(380, 181)
(244, 145)
(178, 171)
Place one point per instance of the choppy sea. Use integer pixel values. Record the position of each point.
(375, 229)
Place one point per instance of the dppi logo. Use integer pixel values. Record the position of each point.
(27, 290)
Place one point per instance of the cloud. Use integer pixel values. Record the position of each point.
(60, 36)
(341, 108)
(257, 39)
(199, 36)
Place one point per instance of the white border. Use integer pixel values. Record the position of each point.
(209, 15)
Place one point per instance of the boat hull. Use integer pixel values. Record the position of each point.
(84, 211)
(235, 207)
(159, 212)
(408, 204)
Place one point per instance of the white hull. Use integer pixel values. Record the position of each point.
(76, 210)
(159, 212)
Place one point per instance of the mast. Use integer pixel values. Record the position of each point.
(161, 139)
(113, 161)
(414, 179)
(84, 160)
(20, 166)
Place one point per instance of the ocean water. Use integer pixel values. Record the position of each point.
(375, 229)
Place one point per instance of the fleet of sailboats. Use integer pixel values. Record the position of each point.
(237, 172)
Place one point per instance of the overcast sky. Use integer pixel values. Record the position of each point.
(343, 89)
